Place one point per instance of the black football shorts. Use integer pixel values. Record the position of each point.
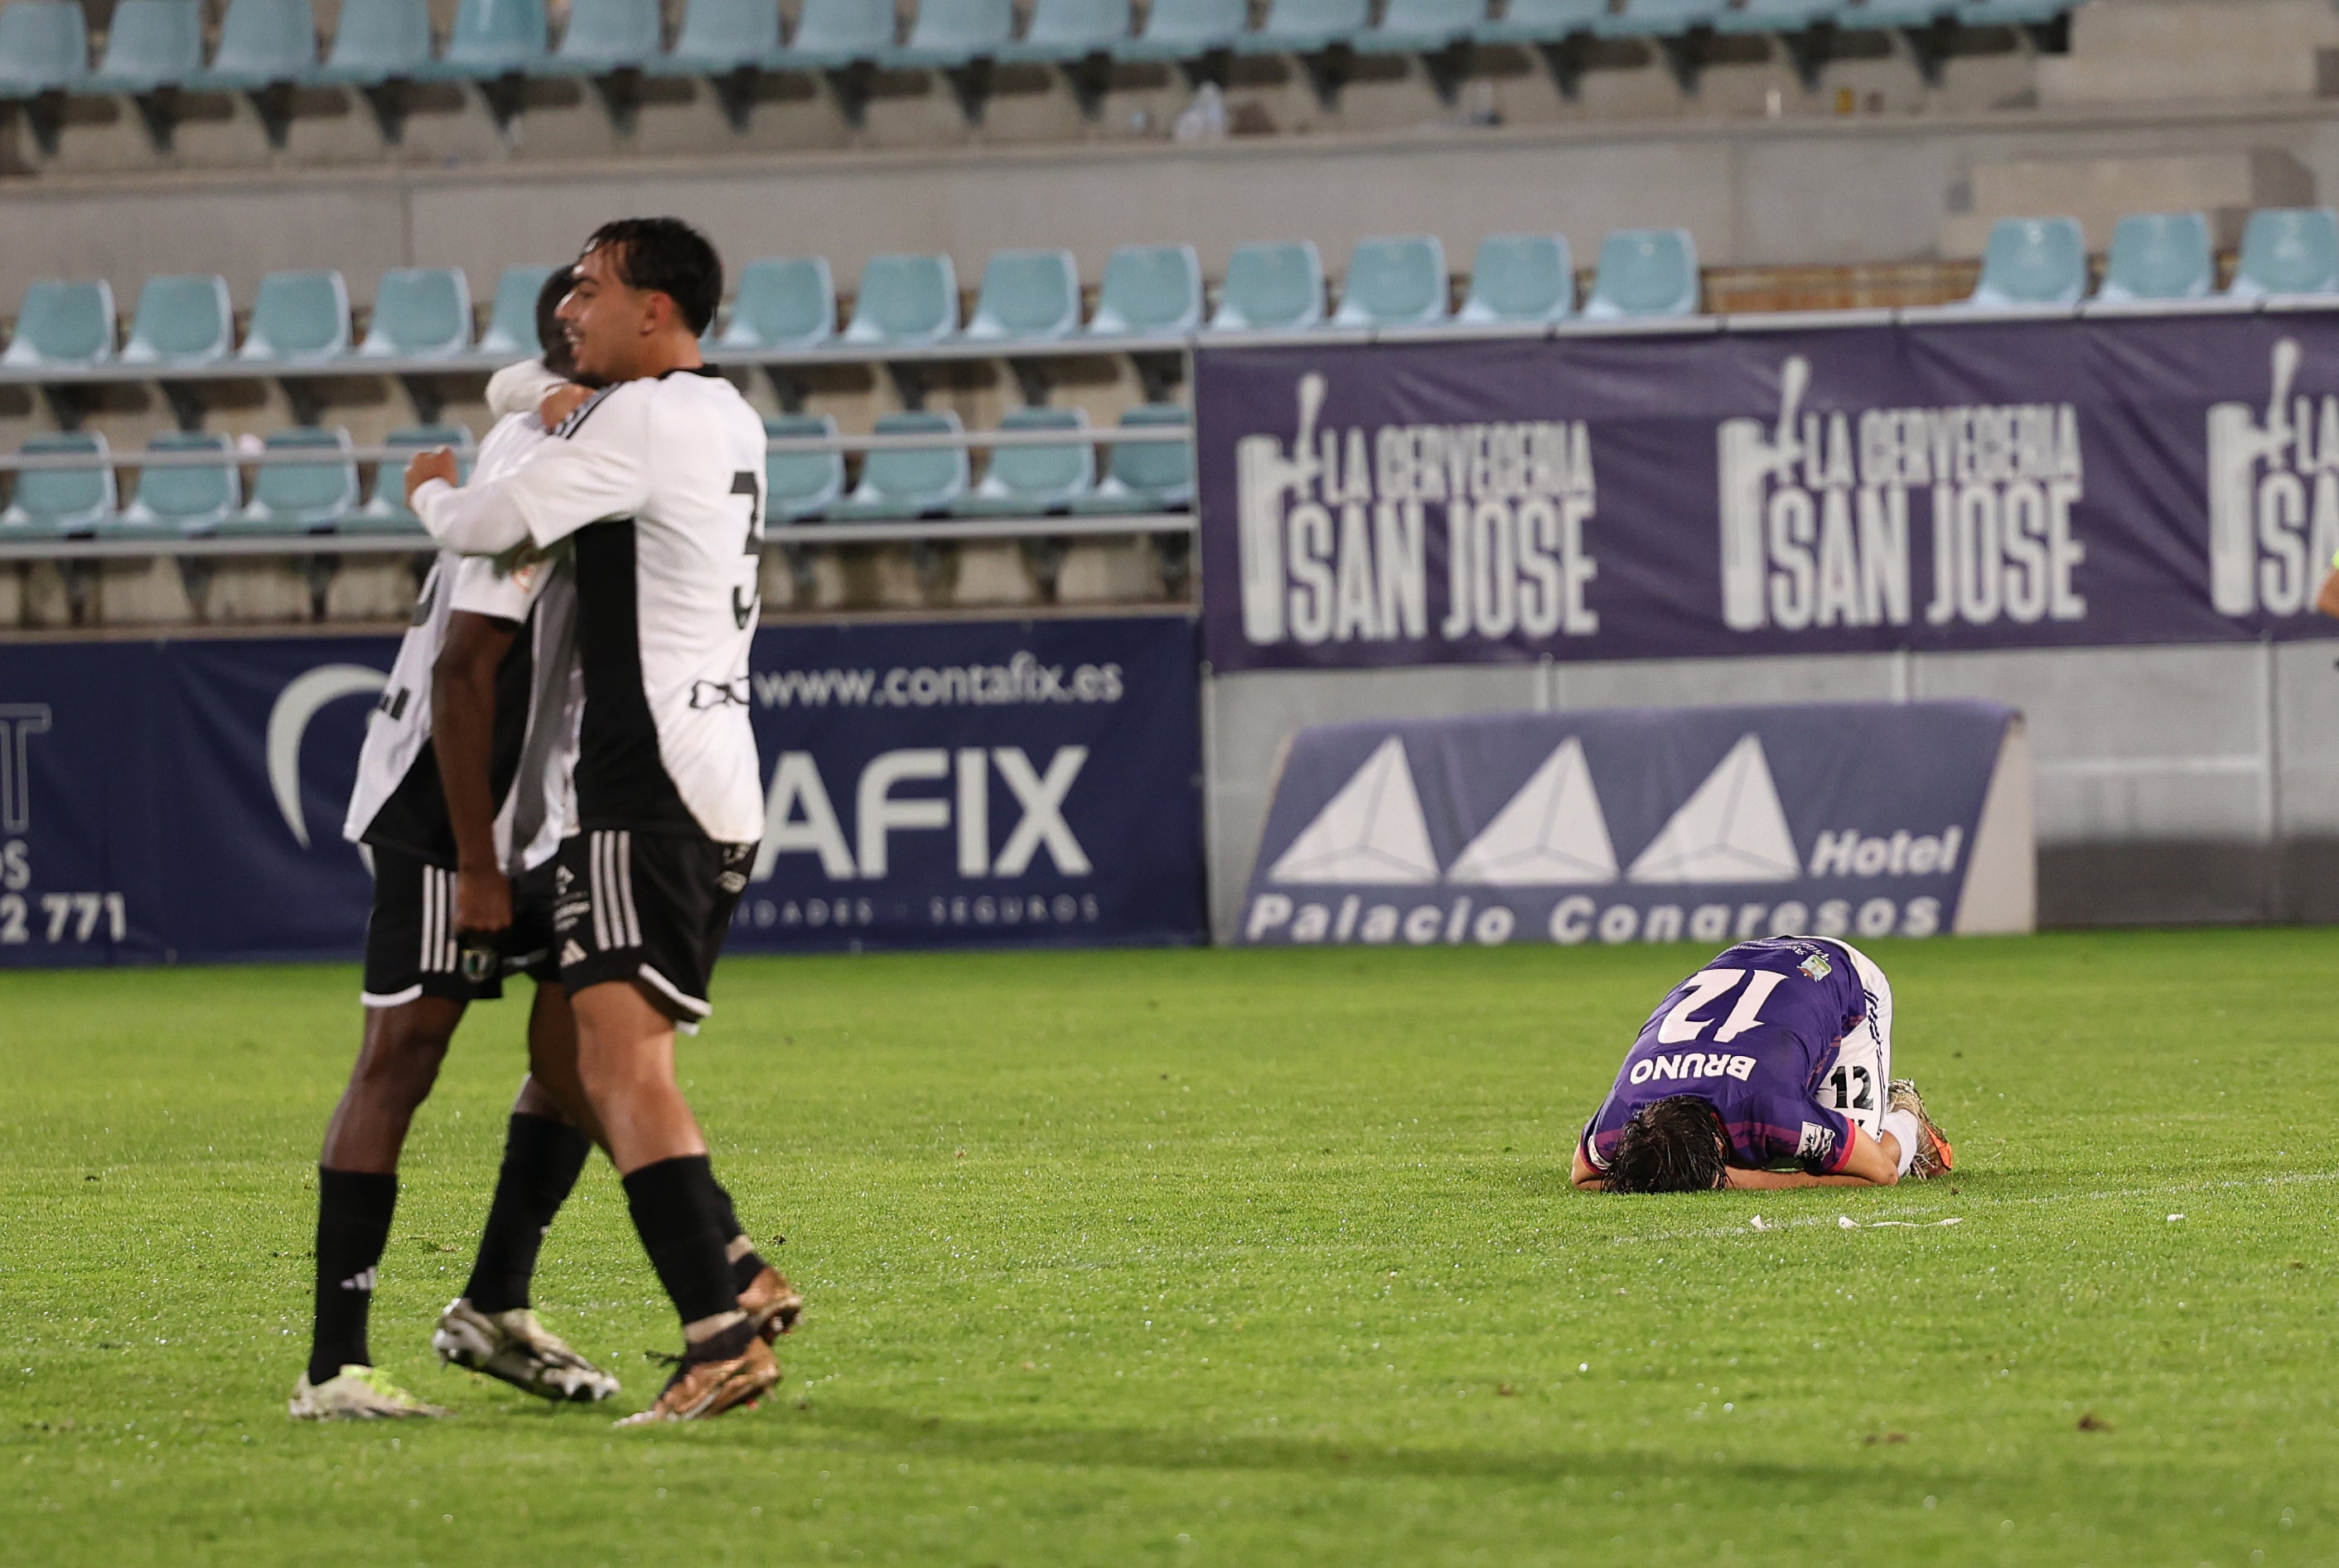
(651, 907)
(411, 949)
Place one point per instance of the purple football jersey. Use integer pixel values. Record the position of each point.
(1755, 1034)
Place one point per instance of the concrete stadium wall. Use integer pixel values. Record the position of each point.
(2173, 784)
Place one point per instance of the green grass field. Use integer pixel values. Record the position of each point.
(1231, 1257)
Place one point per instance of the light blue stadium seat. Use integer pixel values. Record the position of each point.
(2160, 256)
(1150, 291)
(385, 512)
(801, 486)
(44, 46)
(61, 503)
(949, 32)
(491, 38)
(1659, 18)
(421, 311)
(721, 36)
(909, 484)
(1035, 481)
(905, 301)
(783, 302)
(1645, 273)
(1522, 279)
(1271, 287)
(512, 319)
(1395, 282)
(834, 33)
(62, 323)
(262, 42)
(378, 41)
(605, 36)
(1146, 476)
(150, 43)
(1422, 27)
(186, 500)
(1027, 296)
(1068, 30)
(1779, 15)
(1543, 21)
(1183, 29)
(2012, 12)
(184, 320)
(2288, 250)
(300, 498)
(1305, 27)
(1875, 13)
(2032, 261)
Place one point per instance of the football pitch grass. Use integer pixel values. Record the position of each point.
(1231, 1257)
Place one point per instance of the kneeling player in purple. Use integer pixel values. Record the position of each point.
(1772, 1067)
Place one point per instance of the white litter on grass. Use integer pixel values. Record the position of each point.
(1846, 1222)
(1759, 1223)
(2175, 1217)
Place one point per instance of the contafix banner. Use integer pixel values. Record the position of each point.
(1707, 824)
(1024, 783)
(1943, 485)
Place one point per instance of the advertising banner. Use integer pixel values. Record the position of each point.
(1861, 488)
(963, 783)
(1706, 824)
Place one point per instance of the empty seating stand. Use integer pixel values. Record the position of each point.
(61, 502)
(915, 482)
(1146, 476)
(785, 304)
(184, 499)
(2032, 264)
(266, 47)
(905, 302)
(300, 498)
(1079, 35)
(2288, 252)
(2159, 257)
(1035, 480)
(1321, 34)
(1273, 288)
(1150, 291)
(800, 487)
(1399, 282)
(1645, 273)
(1519, 280)
(44, 52)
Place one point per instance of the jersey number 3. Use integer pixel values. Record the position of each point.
(1709, 985)
(745, 601)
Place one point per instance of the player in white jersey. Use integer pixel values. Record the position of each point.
(655, 484)
(464, 779)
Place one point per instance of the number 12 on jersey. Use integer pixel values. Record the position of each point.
(1711, 986)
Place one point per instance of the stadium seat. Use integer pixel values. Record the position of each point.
(2288, 250)
(1149, 291)
(1185, 29)
(385, 512)
(261, 42)
(1271, 287)
(1645, 273)
(187, 500)
(785, 302)
(905, 302)
(948, 33)
(1035, 481)
(834, 33)
(1305, 27)
(62, 323)
(1422, 27)
(909, 484)
(1543, 21)
(184, 320)
(2160, 256)
(799, 486)
(2012, 12)
(1521, 278)
(1661, 18)
(605, 36)
(1778, 16)
(378, 40)
(1063, 31)
(719, 36)
(1395, 282)
(44, 48)
(2032, 261)
(1146, 476)
(491, 38)
(1027, 296)
(1879, 13)
(512, 319)
(150, 43)
(420, 311)
(300, 498)
(61, 503)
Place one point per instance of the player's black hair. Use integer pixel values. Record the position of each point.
(550, 336)
(666, 256)
(1672, 1145)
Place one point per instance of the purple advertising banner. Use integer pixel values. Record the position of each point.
(1935, 486)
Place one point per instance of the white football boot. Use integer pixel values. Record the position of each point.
(514, 1346)
(357, 1393)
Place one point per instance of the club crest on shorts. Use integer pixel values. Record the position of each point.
(1817, 1142)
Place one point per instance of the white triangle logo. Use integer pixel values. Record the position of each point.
(1732, 830)
(1552, 834)
(1371, 832)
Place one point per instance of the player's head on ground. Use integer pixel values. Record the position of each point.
(1671, 1145)
(551, 336)
(643, 292)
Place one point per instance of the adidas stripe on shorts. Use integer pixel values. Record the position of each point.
(651, 907)
(411, 948)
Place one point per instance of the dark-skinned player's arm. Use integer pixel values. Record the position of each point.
(463, 727)
(2326, 598)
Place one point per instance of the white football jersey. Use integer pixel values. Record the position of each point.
(658, 484)
(397, 801)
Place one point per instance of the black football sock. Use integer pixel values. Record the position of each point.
(746, 1263)
(353, 1210)
(542, 1159)
(678, 1214)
